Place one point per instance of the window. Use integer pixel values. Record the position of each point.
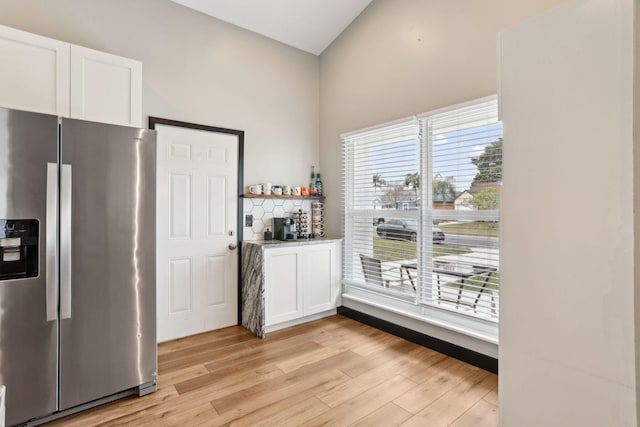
(437, 175)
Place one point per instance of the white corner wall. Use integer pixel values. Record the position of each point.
(202, 70)
(567, 352)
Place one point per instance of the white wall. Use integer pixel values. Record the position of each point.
(636, 201)
(403, 57)
(567, 352)
(201, 70)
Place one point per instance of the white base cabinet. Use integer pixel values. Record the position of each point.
(53, 77)
(300, 281)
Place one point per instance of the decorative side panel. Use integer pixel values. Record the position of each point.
(180, 206)
(180, 285)
(253, 299)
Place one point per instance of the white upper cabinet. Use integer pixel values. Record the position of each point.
(49, 76)
(105, 88)
(34, 74)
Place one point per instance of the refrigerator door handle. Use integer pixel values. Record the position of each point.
(51, 242)
(65, 242)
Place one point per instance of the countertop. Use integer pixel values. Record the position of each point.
(280, 243)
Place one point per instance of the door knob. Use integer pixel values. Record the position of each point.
(232, 246)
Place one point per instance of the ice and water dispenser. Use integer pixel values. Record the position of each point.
(18, 248)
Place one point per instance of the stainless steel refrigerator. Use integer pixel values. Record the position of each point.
(77, 263)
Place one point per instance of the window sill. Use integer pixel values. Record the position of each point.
(477, 335)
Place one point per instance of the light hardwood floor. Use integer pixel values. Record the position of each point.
(333, 372)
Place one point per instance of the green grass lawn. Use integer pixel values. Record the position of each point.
(471, 228)
(395, 250)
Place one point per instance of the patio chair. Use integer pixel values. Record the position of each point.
(482, 275)
(372, 269)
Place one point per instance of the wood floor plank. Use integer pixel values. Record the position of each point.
(214, 337)
(279, 388)
(234, 383)
(302, 360)
(340, 361)
(218, 371)
(348, 390)
(196, 416)
(492, 396)
(275, 397)
(284, 414)
(184, 374)
(482, 414)
(221, 379)
(364, 404)
(114, 410)
(262, 413)
(377, 343)
(267, 352)
(415, 363)
(390, 415)
(175, 410)
(393, 352)
(201, 354)
(455, 402)
(347, 336)
(444, 377)
(333, 371)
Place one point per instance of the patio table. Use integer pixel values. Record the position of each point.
(462, 275)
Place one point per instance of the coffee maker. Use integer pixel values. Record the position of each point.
(284, 229)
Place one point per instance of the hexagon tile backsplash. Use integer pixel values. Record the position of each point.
(264, 210)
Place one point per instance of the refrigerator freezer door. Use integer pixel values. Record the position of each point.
(107, 334)
(28, 342)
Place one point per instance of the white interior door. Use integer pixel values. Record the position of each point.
(197, 192)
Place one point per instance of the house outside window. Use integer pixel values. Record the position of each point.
(421, 205)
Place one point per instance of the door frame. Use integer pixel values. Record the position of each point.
(154, 121)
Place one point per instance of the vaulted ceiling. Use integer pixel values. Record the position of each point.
(309, 25)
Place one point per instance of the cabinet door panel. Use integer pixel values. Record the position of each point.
(34, 75)
(282, 291)
(105, 87)
(320, 272)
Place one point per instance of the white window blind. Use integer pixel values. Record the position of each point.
(463, 150)
(421, 200)
(376, 164)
